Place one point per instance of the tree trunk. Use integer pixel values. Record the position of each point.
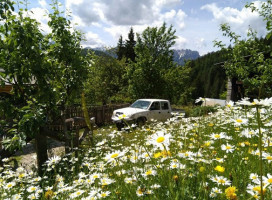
(41, 150)
(65, 131)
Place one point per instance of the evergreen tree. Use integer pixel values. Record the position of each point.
(129, 46)
(120, 48)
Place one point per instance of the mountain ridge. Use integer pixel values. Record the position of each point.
(180, 56)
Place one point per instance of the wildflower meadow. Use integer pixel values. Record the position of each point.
(222, 155)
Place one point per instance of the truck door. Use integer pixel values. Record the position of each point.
(165, 111)
(155, 111)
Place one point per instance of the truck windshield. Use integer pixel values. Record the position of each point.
(140, 104)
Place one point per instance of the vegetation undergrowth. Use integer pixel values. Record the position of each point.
(223, 155)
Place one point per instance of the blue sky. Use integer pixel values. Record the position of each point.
(196, 21)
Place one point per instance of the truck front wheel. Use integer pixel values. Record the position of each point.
(119, 126)
(141, 121)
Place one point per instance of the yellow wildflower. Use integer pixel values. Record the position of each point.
(219, 168)
(202, 169)
(49, 194)
(230, 193)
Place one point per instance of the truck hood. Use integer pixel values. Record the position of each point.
(128, 111)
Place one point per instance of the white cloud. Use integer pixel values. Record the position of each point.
(92, 40)
(41, 15)
(181, 43)
(168, 3)
(200, 43)
(123, 12)
(87, 11)
(239, 20)
(129, 12)
(43, 3)
(116, 17)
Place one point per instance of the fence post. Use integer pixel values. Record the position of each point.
(103, 114)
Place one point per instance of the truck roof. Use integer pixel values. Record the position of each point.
(153, 99)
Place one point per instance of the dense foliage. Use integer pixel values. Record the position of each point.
(208, 76)
(106, 81)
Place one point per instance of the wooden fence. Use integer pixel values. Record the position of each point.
(102, 114)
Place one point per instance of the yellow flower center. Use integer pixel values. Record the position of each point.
(269, 157)
(21, 175)
(103, 194)
(207, 144)
(160, 139)
(114, 155)
(148, 172)
(140, 191)
(228, 147)
(269, 180)
(239, 120)
(217, 136)
(9, 185)
(258, 189)
(221, 181)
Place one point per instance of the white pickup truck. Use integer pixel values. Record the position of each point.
(141, 111)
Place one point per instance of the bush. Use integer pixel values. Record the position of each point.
(197, 111)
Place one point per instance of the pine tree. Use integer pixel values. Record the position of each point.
(120, 49)
(129, 46)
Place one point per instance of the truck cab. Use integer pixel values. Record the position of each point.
(141, 111)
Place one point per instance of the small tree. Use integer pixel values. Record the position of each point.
(46, 72)
(106, 80)
(153, 58)
(178, 85)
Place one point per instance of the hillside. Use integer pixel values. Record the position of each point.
(208, 77)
